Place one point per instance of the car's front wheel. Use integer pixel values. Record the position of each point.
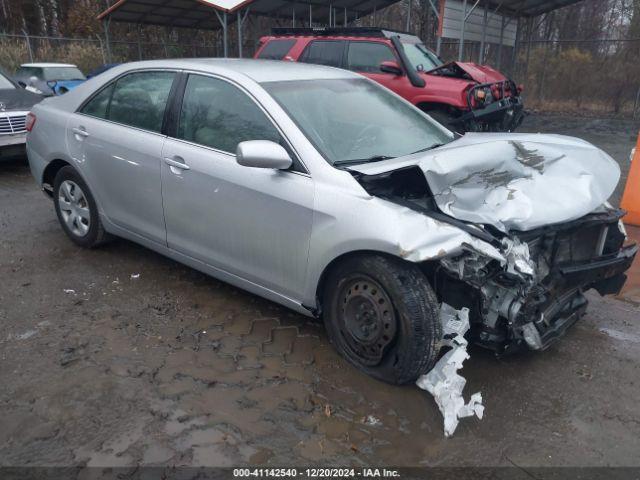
(381, 314)
(76, 209)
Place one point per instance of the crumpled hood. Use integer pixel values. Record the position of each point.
(513, 181)
(479, 73)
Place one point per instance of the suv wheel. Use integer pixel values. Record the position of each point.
(76, 209)
(382, 316)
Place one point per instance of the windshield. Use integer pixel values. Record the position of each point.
(421, 57)
(355, 120)
(63, 73)
(5, 84)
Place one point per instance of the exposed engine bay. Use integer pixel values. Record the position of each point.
(536, 292)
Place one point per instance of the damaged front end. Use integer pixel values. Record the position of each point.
(530, 290)
(538, 293)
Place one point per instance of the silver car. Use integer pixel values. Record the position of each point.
(320, 190)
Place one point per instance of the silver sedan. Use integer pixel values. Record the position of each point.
(320, 190)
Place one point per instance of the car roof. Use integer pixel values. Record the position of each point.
(260, 71)
(45, 65)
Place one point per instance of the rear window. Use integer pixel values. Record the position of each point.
(276, 49)
(324, 52)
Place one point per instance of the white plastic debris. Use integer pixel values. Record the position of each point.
(69, 291)
(443, 381)
(135, 276)
(372, 421)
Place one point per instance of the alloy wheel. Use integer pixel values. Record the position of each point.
(74, 208)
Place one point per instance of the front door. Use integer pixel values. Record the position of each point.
(117, 134)
(365, 58)
(251, 222)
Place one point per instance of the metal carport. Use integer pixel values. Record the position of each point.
(218, 14)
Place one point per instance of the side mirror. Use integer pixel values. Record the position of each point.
(22, 84)
(263, 154)
(391, 67)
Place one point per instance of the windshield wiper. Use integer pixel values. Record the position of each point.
(375, 158)
(430, 147)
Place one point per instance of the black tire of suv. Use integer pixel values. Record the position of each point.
(96, 235)
(418, 330)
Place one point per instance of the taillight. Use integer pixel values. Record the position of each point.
(30, 122)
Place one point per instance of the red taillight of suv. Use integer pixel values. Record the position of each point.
(30, 122)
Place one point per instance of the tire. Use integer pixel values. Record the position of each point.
(446, 119)
(77, 210)
(401, 343)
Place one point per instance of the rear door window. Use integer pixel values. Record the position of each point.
(140, 99)
(324, 52)
(276, 49)
(367, 56)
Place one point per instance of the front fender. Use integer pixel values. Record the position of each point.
(345, 224)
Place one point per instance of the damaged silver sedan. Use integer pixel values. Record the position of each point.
(320, 190)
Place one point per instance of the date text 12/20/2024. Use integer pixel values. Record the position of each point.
(315, 473)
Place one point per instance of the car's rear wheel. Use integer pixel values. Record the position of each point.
(382, 316)
(76, 209)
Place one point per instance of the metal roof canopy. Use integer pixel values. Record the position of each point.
(215, 14)
(526, 8)
(202, 13)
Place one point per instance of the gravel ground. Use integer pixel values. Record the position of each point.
(121, 357)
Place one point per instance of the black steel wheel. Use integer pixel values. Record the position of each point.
(382, 316)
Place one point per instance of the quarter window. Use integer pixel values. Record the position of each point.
(367, 56)
(276, 49)
(98, 106)
(324, 52)
(139, 99)
(219, 115)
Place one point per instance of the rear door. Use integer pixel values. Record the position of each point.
(365, 57)
(254, 223)
(118, 136)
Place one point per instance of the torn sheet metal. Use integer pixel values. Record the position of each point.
(443, 380)
(513, 181)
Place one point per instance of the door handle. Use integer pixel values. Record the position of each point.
(176, 162)
(80, 132)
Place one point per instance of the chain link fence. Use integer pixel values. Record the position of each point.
(601, 76)
(89, 53)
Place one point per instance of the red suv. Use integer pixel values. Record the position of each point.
(462, 96)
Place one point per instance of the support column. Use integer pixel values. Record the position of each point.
(502, 25)
(310, 16)
(107, 41)
(28, 40)
(239, 21)
(526, 62)
(225, 41)
(408, 26)
(463, 20)
(484, 35)
(436, 12)
(139, 43)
